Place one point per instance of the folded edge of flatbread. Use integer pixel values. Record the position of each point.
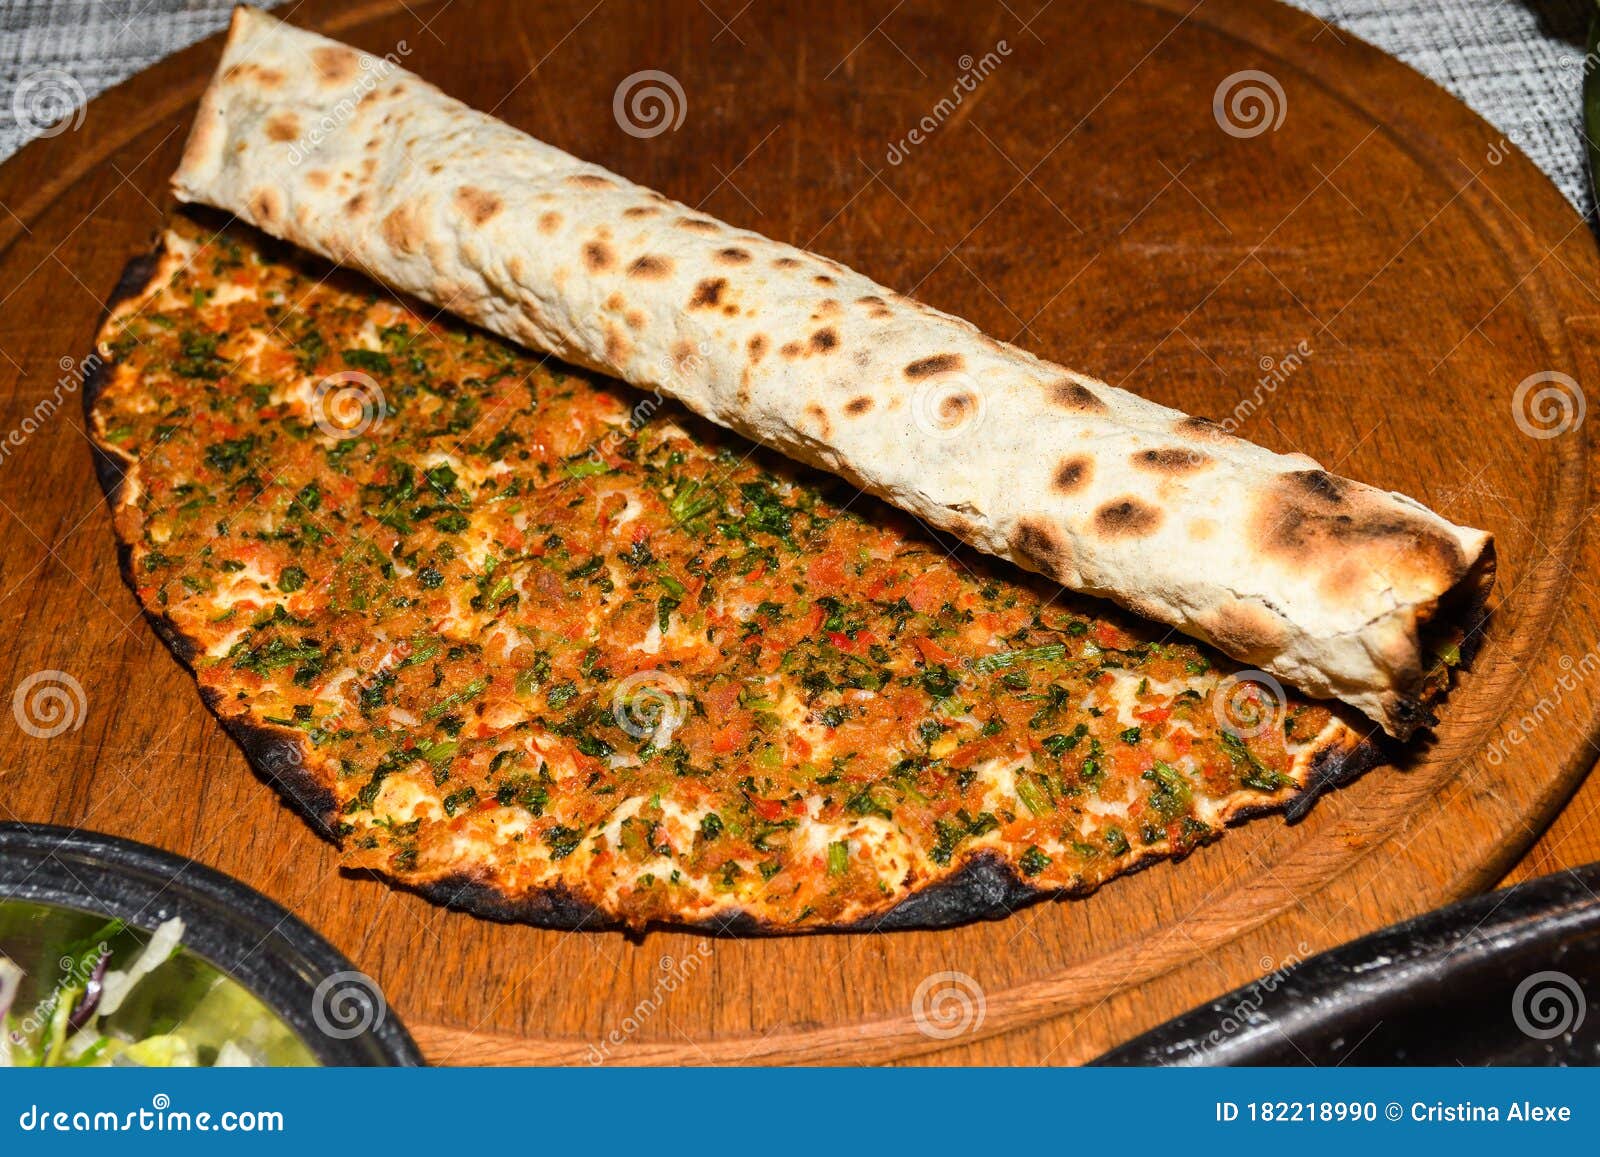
(1338, 588)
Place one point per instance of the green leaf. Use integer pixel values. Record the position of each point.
(587, 468)
(1172, 793)
(370, 360)
(1044, 654)
(1033, 861)
(1029, 794)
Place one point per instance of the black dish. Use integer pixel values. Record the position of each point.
(1509, 978)
(239, 931)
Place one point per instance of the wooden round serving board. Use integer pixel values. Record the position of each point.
(1368, 280)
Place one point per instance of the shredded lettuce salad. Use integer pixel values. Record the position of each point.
(107, 999)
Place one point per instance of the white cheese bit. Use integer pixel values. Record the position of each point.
(651, 643)
(402, 799)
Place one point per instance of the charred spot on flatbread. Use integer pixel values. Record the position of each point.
(856, 407)
(1194, 427)
(283, 127)
(683, 356)
(616, 345)
(597, 256)
(1072, 395)
(402, 229)
(1171, 460)
(1073, 474)
(1318, 485)
(1128, 517)
(936, 364)
(877, 308)
(733, 255)
(825, 340)
(650, 267)
(336, 64)
(1243, 626)
(477, 205)
(250, 73)
(955, 408)
(1038, 541)
(708, 293)
(266, 206)
(1310, 519)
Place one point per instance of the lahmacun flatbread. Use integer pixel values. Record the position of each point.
(543, 648)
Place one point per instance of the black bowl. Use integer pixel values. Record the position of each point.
(234, 928)
(1507, 978)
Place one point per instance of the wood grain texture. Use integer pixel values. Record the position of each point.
(1368, 283)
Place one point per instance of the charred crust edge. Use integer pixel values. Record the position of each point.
(109, 466)
(984, 887)
(276, 756)
(1340, 762)
(1465, 606)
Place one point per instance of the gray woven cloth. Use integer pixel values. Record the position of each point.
(1517, 62)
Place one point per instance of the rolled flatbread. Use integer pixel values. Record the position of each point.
(1338, 588)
